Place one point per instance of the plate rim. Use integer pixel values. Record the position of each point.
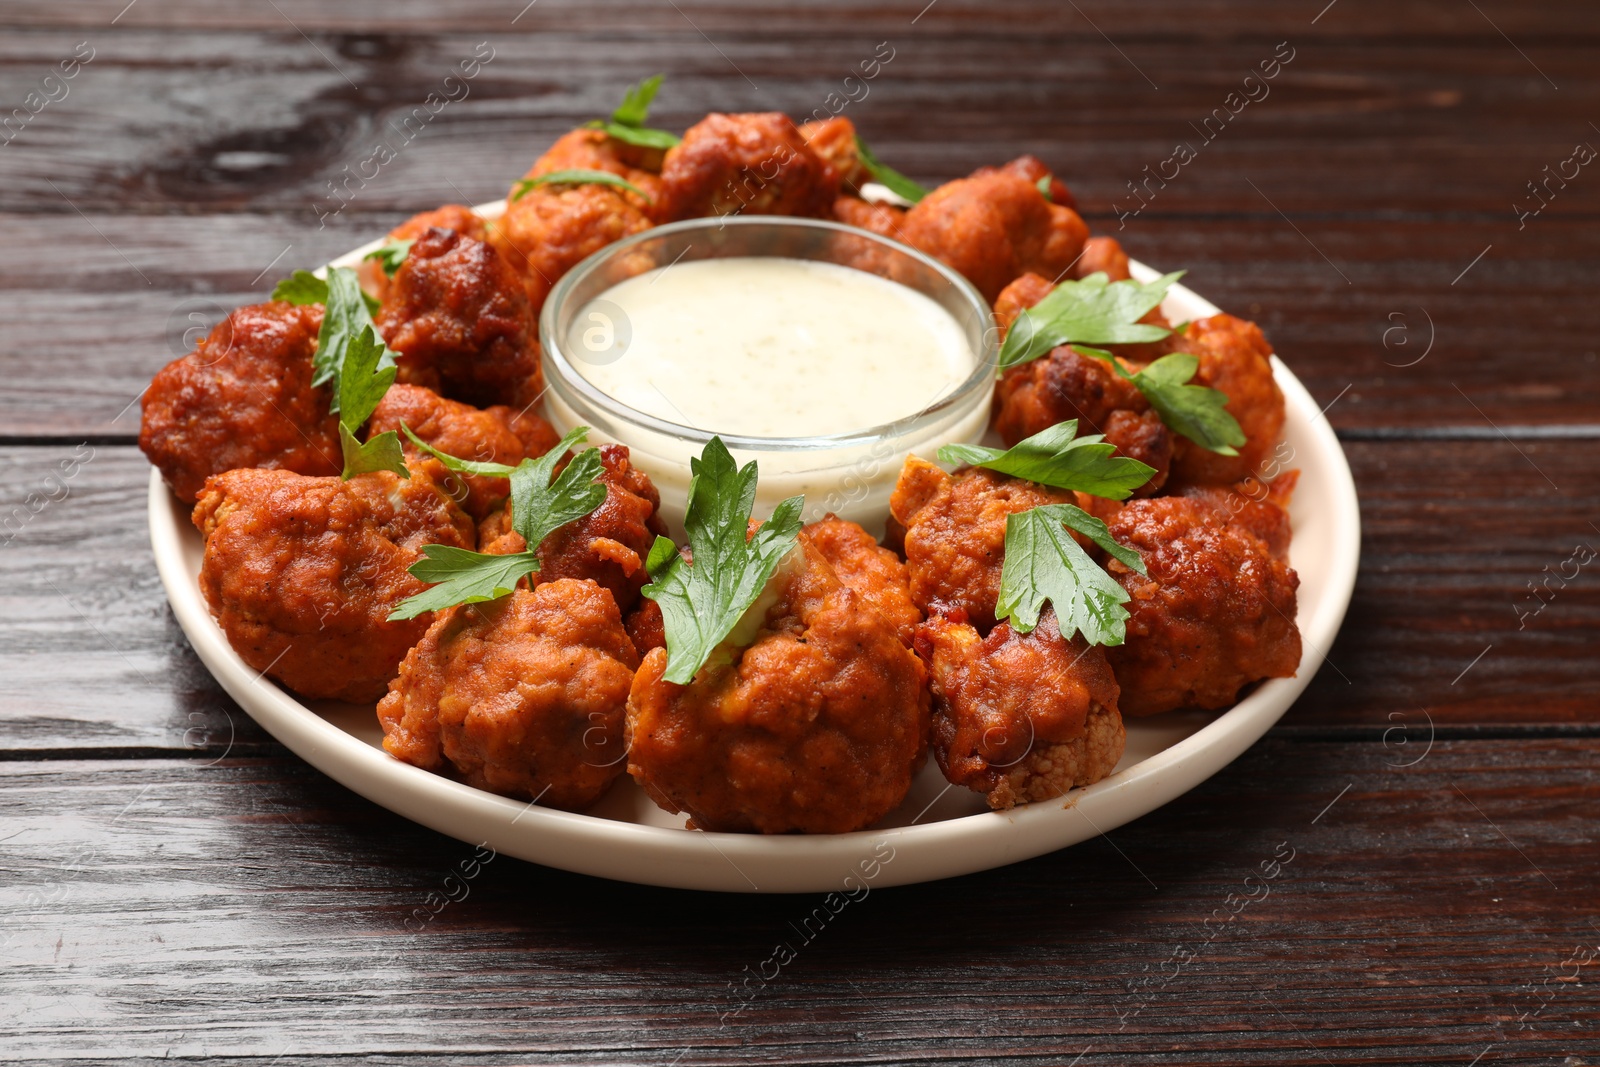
(684, 859)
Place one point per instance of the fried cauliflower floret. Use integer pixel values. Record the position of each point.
(301, 573)
(955, 534)
(457, 217)
(1214, 613)
(456, 314)
(550, 229)
(243, 398)
(993, 228)
(523, 696)
(817, 727)
(867, 567)
(460, 430)
(752, 164)
(1233, 357)
(1065, 384)
(588, 149)
(1032, 169)
(608, 545)
(885, 220)
(1020, 717)
(835, 141)
(1103, 255)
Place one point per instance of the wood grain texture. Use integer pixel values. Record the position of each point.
(1453, 533)
(1400, 348)
(254, 909)
(176, 886)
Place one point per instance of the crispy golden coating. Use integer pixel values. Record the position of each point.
(955, 534)
(1214, 613)
(867, 567)
(1260, 507)
(817, 727)
(457, 217)
(885, 220)
(1032, 169)
(243, 398)
(456, 314)
(302, 573)
(752, 164)
(1103, 255)
(587, 149)
(488, 435)
(1020, 717)
(995, 227)
(1065, 384)
(1233, 357)
(523, 696)
(835, 141)
(608, 546)
(550, 229)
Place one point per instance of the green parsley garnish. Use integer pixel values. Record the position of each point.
(1044, 562)
(887, 176)
(1090, 311)
(702, 602)
(366, 370)
(1096, 311)
(1043, 185)
(303, 287)
(1195, 411)
(1058, 456)
(576, 177)
(628, 120)
(353, 358)
(539, 506)
(390, 256)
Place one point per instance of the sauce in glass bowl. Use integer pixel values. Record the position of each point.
(826, 353)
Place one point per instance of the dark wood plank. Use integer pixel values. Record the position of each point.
(1441, 20)
(85, 332)
(264, 120)
(91, 658)
(253, 909)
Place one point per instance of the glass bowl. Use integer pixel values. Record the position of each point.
(848, 474)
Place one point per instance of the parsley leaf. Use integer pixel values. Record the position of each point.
(1090, 310)
(576, 177)
(1044, 562)
(887, 176)
(366, 370)
(539, 506)
(1058, 456)
(1043, 185)
(303, 287)
(463, 577)
(391, 255)
(627, 122)
(635, 107)
(702, 602)
(1194, 411)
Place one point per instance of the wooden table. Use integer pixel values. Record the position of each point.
(177, 885)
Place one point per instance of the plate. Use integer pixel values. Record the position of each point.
(939, 832)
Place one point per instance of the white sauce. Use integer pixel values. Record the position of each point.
(769, 347)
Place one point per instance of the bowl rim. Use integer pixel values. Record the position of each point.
(562, 377)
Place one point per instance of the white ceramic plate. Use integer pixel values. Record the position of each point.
(940, 831)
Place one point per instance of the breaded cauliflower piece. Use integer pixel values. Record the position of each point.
(1020, 717)
(243, 398)
(523, 696)
(301, 573)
